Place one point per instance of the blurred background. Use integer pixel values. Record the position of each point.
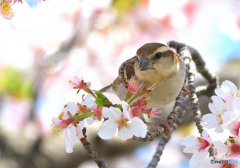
(46, 44)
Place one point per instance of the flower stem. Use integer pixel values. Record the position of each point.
(83, 116)
(130, 101)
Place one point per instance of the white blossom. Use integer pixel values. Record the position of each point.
(221, 114)
(121, 121)
(72, 133)
(198, 146)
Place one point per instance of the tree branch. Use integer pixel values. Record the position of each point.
(101, 163)
(212, 79)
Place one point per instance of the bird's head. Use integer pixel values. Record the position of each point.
(155, 61)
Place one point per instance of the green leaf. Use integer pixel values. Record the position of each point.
(15, 83)
(101, 99)
(118, 106)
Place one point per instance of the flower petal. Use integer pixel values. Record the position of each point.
(90, 120)
(218, 103)
(71, 107)
(112, 113)
(220, 146)
(107, 129)
(210, 120)
(197, 158)
(126, 109)
(55, 120)
(139, 129)
(190, 142)
(68, 141)
(218, 129)
(73, 133)
(125, 133)
(230, 85)
(205, 135)
(228, 116)
(236, 106)
(89, 101)
(220, 93)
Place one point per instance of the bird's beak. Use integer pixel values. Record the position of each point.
(145, 64)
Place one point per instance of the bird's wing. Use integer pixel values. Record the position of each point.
(126, 71)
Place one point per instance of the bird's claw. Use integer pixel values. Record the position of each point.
(167, 126)
(164, 123)
(186, 90)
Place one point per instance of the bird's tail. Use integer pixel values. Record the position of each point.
(107, 89)
(113, 87)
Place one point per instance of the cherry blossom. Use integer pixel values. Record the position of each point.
(80, 84)
(198, 146)
(136, 112)
(141, 102)
(134, 85)
(228, 91)
(231, 148)
(72, 130)
(121, 120)
(6, 9)
(89, 103)
(234, 125)
(153, 112)
(139, 108)
(221, 113)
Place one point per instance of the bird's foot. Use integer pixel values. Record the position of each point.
(164, 123)
(186, 90)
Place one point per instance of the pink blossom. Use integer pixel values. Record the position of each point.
(198, 146)
(234, 126)
(97, 113)
(60, 125)
(231, 147)
(88, 104)
(153, 112)
(136, 112)
(79, 84)
(141, 102)
(134, 85)
(65, 122)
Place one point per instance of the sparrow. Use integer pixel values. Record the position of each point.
(154, 64)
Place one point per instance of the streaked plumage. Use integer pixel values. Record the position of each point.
(154, 63)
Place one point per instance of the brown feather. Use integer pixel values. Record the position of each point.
(126, 71)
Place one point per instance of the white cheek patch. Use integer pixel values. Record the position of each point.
(163, 49)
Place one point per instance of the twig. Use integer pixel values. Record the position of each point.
(213, 82)
(211, 78)
(200, 64)
(177, 114)
(182, 48)
(173, 117)
(101, 163)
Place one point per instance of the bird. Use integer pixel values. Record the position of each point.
(154, 64)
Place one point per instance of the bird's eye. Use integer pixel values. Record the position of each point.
(158, 55)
